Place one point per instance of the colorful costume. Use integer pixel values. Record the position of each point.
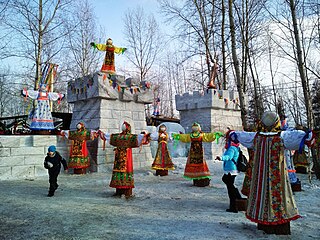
(162, 159)
(41, 118)
(122, 173)
(108, 64)
(289, 161)
(79, 155)
(291, 171)
(270, 201)
(196, 167)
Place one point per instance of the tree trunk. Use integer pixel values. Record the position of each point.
(301, 67)
(236, 67)
(223, 48)
(305, 83)
(39, 49)
(258, 108)
(271, 72)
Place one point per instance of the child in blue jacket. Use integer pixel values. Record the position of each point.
(230, 158)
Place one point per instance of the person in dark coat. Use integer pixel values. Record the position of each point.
(52, 162)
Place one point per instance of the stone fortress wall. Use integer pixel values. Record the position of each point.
(214, 110)
(103, 101)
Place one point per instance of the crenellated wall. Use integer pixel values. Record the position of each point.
(215, 110)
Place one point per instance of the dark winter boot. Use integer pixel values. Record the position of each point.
(232, 197)
(52, 188)
(232, 210)
(50, 193)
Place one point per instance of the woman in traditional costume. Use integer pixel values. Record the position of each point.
(108, 64)
(162, 161)
(122, 174)
(270, 202)
(41, 118)
(79, 155)
(196, 167)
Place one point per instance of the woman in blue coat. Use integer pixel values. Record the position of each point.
(230, 158)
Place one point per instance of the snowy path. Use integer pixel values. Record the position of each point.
(162, 208)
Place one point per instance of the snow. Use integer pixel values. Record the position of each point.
(162, 208)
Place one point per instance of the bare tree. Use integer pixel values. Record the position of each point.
(37, 27)
(301, 64)
(297, 23)
(196, 23)
(80, 60)
(240, 84)
(144, 40)
(3, 35)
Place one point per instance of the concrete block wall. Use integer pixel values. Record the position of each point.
(214, 110)
(22, 156)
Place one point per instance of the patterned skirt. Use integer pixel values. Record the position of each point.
(42, 117)
(122, 174)
(270, 201)
(162, 160)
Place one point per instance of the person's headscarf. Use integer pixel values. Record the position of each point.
(196, 127)
(231, 139)
(162, 126)
(126, 128)
(81, 126)
(271, 122)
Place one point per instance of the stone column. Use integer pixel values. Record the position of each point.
(104, 101)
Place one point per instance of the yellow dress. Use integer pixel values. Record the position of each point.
(196, 166)
(108, 64)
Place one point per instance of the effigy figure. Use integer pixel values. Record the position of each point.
(108, 65)
(79, 155)
(294, 180)
(162, 161)
(270, 202)
(122, 174)
(41, 118)
(196, 167)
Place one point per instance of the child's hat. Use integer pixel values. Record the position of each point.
(52, 148)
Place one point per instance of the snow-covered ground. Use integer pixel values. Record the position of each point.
(163, 208)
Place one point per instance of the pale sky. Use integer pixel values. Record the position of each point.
(111, 13)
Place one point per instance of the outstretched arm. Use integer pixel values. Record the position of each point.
(119, 50)
(100, 47)
(246, 138)
(210, 137)
(55, 96)
(181, 137)
(296, 139)
(30, 93)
